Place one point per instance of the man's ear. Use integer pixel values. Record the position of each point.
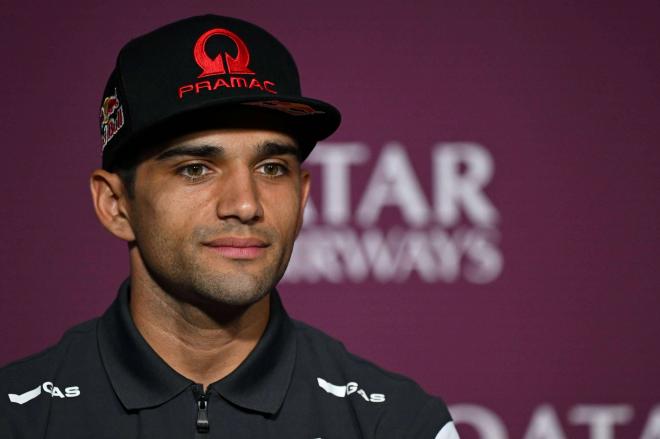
(111, 203)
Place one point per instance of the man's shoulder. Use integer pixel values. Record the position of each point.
(46, 365)
(29, 385)
(85, 332)
(319, 346)
(400, 403)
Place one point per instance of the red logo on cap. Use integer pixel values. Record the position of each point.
(230, 67)
(112, 117)
(216, 66)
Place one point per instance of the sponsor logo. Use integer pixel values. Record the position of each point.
(25, 397)
(604, 421)
(224, 64)
(385, 215)
(349, 389)
(112, 117)
(216, 66)
(292, 108)
(47, 387)
(448, 431)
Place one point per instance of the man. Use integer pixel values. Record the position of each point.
(204, 130)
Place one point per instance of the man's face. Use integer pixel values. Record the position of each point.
(215, 213)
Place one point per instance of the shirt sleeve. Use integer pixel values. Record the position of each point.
(433, 422)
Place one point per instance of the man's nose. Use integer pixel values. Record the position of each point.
(238, 197)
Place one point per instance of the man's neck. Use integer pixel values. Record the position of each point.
(195, 343)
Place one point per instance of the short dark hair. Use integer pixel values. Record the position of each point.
(125, 167)
(127, 176)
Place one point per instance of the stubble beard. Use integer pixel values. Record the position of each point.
(187, 274)
(237, 289)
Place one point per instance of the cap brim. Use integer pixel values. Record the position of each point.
(308, 120)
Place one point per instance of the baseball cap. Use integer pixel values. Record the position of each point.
(206, 72)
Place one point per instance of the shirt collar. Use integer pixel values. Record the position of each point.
(142, 379)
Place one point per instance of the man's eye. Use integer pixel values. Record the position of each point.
(273, 169)
(193, 171)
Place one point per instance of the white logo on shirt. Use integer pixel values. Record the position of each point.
(48, 387)
(448, 431)
(348, 389)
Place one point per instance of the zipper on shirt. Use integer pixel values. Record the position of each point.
(202, 397)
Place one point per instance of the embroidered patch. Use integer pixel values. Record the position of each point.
(112, 117)
(226, 65)
(349, 389)
(293, 108)
(47, 387)
(215, 66)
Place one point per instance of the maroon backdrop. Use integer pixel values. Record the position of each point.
(484, 221)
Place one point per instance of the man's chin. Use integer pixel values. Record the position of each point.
(237, 290)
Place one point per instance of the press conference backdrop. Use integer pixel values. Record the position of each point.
(485, 220)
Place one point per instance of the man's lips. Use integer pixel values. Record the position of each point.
(238, 248)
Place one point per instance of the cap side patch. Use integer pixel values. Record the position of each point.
(112, 117)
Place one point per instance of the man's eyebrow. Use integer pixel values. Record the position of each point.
(271, 148)
(205, 151)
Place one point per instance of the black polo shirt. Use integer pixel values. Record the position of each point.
(103, 380)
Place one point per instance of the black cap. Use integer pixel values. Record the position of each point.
(203, 72)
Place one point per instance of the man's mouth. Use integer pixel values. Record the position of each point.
(238, 248)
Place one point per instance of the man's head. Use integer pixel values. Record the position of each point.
(204, 131)
(214, 213)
